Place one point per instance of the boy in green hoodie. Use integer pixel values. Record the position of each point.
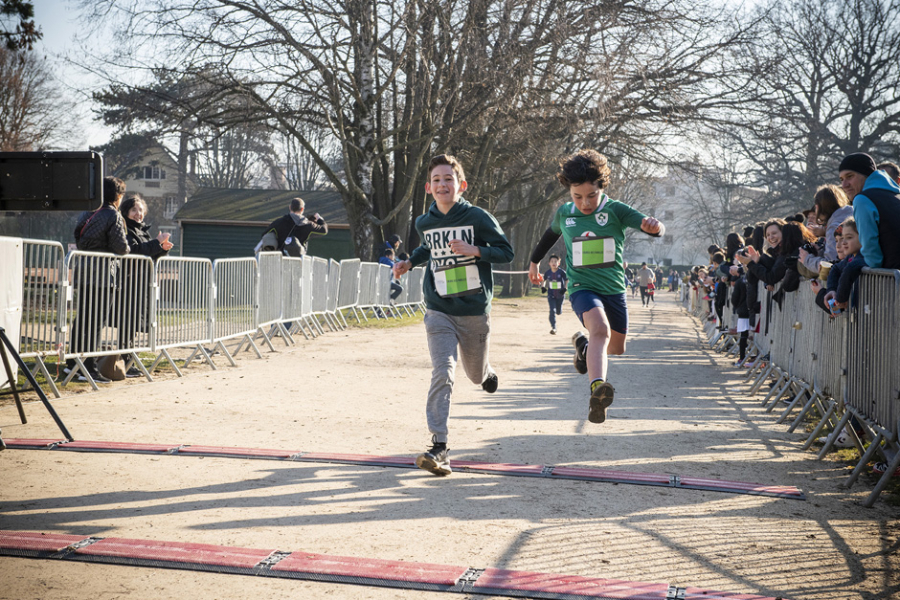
(459, 243)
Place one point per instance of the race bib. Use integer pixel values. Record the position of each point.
(593, 252)
(555, 285)
(457, 280)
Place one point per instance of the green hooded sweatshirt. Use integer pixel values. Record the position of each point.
(455, 284)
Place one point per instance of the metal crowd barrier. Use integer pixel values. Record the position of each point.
(184, 306)
(271, 297)
(89, 304)
(348, 291)
(235, 305)
(334, 288)
(43, 304)
(841, 368)
(111, 302)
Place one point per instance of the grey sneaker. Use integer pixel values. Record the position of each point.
(601, 398)
(436, 459)
(580, 361)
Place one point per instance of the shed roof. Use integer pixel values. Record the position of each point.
(223, 205)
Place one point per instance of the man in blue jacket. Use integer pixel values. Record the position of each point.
(876, 208)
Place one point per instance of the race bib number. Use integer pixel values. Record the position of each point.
(457, 280)
(555, 285)
(593, 252)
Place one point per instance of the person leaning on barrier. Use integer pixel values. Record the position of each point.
(832, 207)
(292, 231)
(134, 289)
(892, 170)
(876, 209)
(102, 230)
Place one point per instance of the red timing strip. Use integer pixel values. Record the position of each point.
(342, 569)
(578, 473)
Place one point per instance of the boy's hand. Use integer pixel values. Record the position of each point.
(829, 296)
(816, 285)
(841, 305)
(650, 225)
(464, 249)
(401, 268)
(533, 274)
(803, 255)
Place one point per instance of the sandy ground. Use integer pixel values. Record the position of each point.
(676, 411)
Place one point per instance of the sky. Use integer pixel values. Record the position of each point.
(57, 20)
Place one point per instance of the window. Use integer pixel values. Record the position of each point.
(153, 172)
(171, 207)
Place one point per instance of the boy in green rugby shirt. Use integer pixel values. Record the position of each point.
(593, 228)
(459, 243)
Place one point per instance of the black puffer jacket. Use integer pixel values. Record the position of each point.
(140, 242)
(101, 231)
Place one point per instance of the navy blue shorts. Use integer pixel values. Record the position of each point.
(613, 305)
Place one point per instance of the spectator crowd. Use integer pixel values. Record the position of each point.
(848, 227)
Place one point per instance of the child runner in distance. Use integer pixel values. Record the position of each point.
(593, 228)
(555, 285)
(459, 243)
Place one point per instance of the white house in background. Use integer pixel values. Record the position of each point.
(686, 205)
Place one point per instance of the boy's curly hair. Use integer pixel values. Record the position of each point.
(582, 167)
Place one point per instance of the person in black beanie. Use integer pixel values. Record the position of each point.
(876, 208)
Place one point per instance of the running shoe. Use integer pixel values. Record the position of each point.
(601, 398)
(490, 383)
(580, 359)
(436, 459)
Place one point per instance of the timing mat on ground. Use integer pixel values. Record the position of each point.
(342, 569)
(403, 462)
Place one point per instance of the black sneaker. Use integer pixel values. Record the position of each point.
(601, 398)
(490, 383)
(96, 376)
(436, 459)
(133, 372)
(580, 342)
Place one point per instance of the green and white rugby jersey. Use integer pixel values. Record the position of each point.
(594, 244)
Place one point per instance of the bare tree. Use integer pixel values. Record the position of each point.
(824, 84)
(33, 114)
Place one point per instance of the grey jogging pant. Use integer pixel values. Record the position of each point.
(446, 333)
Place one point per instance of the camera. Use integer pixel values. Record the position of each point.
(810, 248)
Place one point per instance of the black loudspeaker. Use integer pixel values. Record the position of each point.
(38, 181)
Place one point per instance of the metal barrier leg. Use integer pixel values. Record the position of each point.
(140, 365)
(761, 379)
(804, 389)
(776, 389)
(829, 442)
(813, 401)
(39, 365)
(265, 336)
(165, 353)
(13, 385)
(298, 326)
(820, 425)
(883, 481)
(80, 365)
(864, 459)
(285, 334)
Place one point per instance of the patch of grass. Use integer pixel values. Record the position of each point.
(388, 323)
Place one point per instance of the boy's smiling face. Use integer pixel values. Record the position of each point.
(444, 185)
(586, 196)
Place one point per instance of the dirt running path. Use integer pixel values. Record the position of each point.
(363, 391)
